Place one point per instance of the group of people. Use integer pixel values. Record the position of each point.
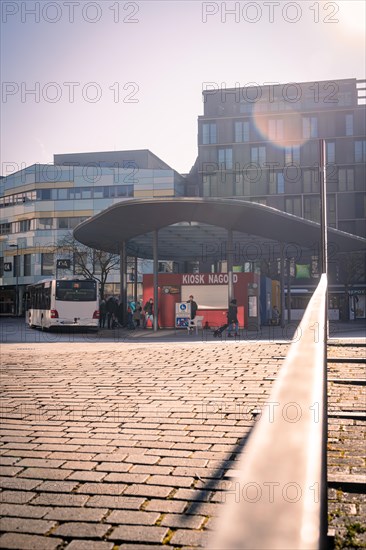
(111, 313)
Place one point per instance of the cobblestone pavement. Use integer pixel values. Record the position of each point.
(347, 446)
(127, 446)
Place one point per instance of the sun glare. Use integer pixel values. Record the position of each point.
(352, 15)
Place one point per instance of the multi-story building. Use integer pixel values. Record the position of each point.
(262, 143)
(42, 203)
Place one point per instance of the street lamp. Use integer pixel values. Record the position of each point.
(17, 278)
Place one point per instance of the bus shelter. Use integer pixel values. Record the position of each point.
(206, 229)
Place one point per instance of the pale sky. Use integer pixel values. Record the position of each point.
(108, 75)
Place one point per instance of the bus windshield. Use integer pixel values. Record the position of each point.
(76, 291)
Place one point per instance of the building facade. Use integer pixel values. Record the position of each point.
(262, 143)
(41, 204)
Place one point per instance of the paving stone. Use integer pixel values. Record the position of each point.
(127, 503)
(126, 478)
(45, 473)
(87, 476)
(30, 526)
(173, 506)
(89, 545)
(29, 542)
(114, 466)
(186, 537)
(182, 521)
(76, 514)
(60, 499)
(172, 481)
(102, 488)
(57, 486)
(22, 510)
(139, 533)
(131, 517)
(16, 497)
(81, 530)
(148, 491)
(17, 483)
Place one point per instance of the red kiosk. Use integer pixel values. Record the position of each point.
(210, 291)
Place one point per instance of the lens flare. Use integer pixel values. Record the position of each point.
(280, 123)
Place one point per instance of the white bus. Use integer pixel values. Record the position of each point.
(63, 303)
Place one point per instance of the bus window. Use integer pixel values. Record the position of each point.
(76, 291)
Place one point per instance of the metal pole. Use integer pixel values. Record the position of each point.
(16, 262)
(229, 259)
(324, 267)
(156, 270)
(323, 206)
(282, 286)
(17, 286)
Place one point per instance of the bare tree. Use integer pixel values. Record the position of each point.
(351, 271)
(89, 262)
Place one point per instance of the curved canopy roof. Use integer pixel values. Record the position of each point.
(190, 227)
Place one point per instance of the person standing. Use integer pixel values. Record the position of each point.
(137, 315)
(232, 318)
(112, 307)
(149, 312)
(194, 307)
(102, 313)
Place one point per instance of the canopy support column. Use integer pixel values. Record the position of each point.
(123, 280)
(156, 283)
(288, 290)
(135, 279)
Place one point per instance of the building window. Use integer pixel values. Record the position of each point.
(331, 210)
(330, 152)
(360, 151)
(5, 228)
(312, 209)
(349, 124)
(47, 263)
(69, 223)
(346, 179)
(27, 265)
(276, 183)
(258, 155)
(209, 134)
(242, 185)
(275, 128)
(16, 270)
(45, 223)
(292, 155)
(293, 206)
(24, 225)
(209, 182)
(311, 181)
(2, 266)
(309, 127)
(226, 158)
(280, 183)
(241, 131)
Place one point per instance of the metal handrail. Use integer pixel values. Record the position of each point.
(279, 499)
